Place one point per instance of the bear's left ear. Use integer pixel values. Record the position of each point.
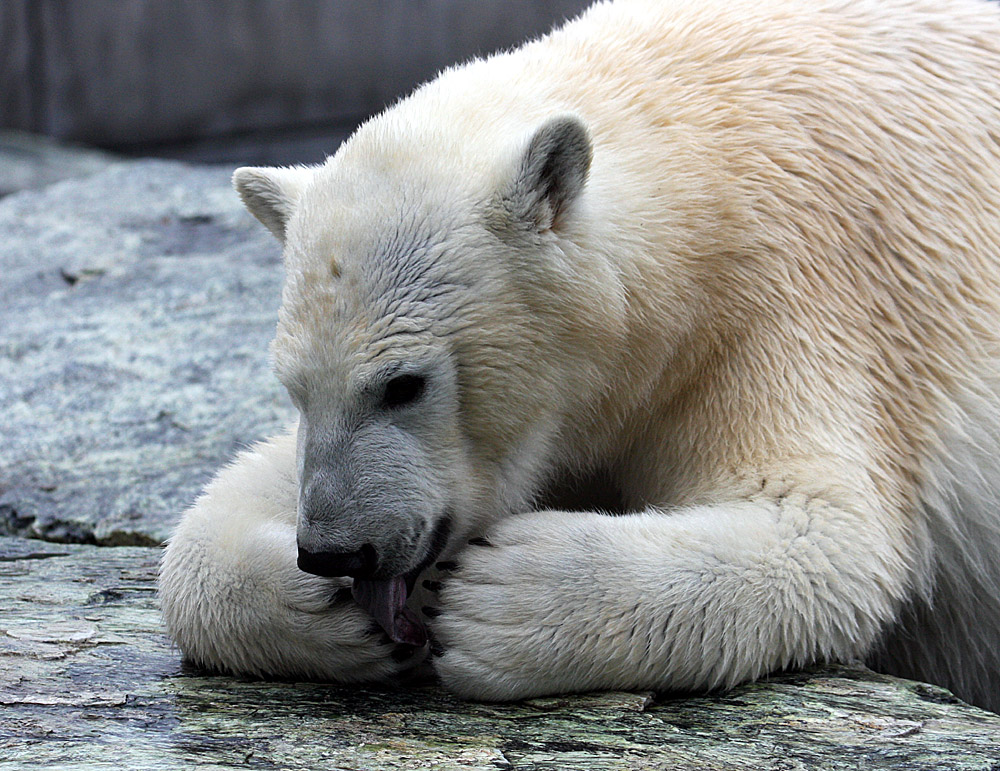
(270, 195)
(552, 173)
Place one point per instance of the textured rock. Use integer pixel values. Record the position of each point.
(136, 306)
(88, 680)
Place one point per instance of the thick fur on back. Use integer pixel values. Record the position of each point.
(765, 309)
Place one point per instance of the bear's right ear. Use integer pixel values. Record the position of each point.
(552, 173)
(270, 195)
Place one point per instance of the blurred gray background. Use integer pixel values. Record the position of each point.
(233, 81)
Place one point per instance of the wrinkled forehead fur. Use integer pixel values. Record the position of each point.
(393, 249)
(365, 284)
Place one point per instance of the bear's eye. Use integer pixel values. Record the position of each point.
(403, 390)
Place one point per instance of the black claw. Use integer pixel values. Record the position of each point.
(430, 612)
(436, 648)
(479, 542)
(447, 567)
(402, 653)
(343, 594)
(434, 586)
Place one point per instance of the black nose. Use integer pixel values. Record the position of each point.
(357, 564)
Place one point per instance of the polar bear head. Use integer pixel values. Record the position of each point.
(437, 328)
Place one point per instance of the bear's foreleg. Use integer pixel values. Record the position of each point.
(234, 600)
(697, 598)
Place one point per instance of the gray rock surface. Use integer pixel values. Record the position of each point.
(88, 681)
(136, 307)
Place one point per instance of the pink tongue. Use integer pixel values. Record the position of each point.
(385, 601)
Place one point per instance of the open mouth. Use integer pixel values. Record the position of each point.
(385, 600)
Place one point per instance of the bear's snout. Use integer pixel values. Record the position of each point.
(362, 563)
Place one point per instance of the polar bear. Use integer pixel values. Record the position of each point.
(663, 353)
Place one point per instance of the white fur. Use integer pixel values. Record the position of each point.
(765, 310)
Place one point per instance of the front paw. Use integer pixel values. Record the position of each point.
(506, 623)
(327, 636)
(250, 611)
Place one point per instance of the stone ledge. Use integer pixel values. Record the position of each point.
(88, 681)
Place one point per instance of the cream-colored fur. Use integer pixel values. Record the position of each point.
(768, 317)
